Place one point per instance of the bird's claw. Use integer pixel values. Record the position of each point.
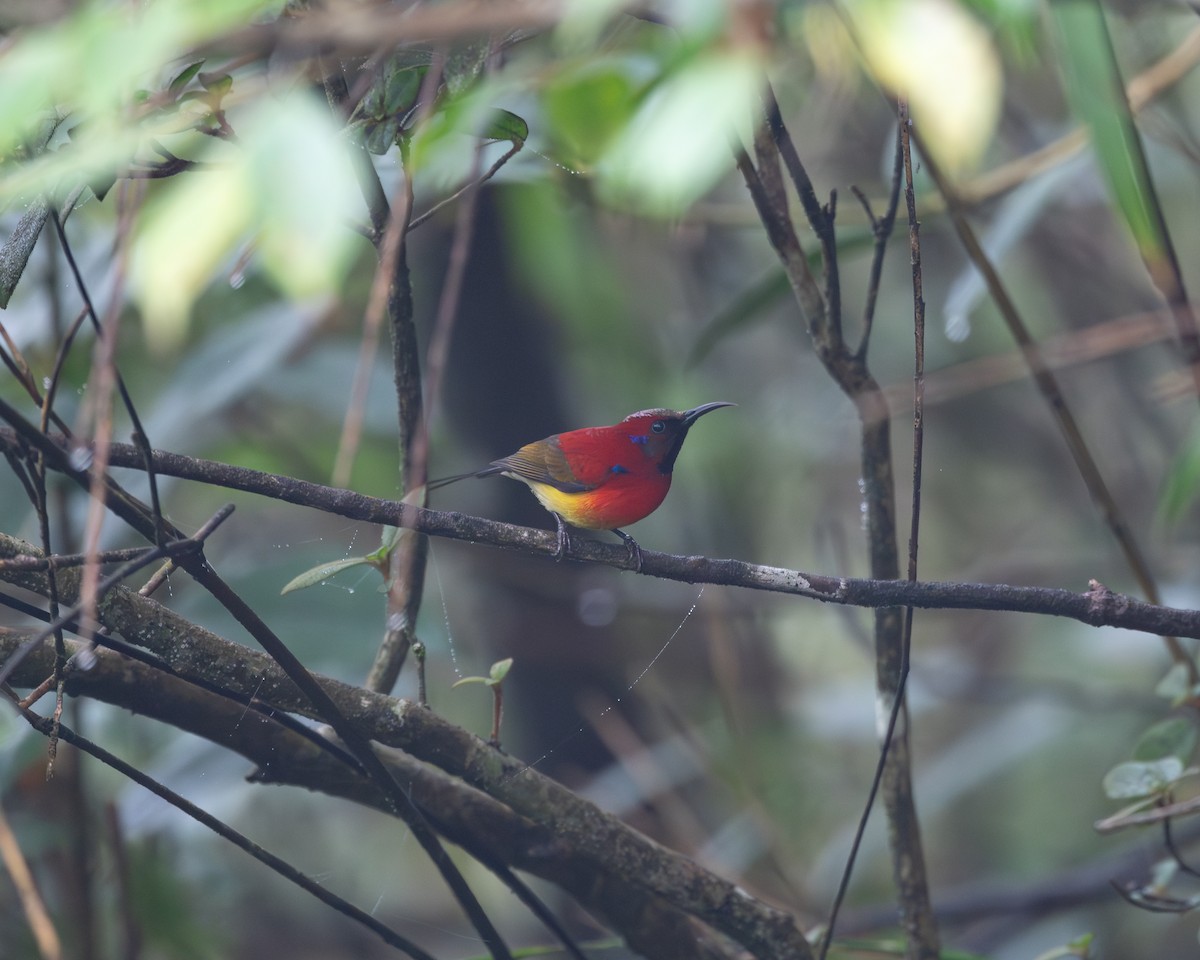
(564, 540)
(635, 551)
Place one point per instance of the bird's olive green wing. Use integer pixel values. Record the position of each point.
(543, 462)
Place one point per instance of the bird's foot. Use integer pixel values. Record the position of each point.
(635, 551)
(564, 540)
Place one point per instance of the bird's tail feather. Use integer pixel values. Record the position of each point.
(487, 471)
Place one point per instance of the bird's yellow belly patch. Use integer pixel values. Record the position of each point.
(602, 508)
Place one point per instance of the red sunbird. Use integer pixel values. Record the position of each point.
(601, 478)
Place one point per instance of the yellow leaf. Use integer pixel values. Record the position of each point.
(942, 59)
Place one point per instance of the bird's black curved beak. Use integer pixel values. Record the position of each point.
(691, 416)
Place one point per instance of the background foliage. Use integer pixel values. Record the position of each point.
(614, 263)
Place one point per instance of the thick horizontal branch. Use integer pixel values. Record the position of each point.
(487, 829)
(1096, 606)
(636, 862)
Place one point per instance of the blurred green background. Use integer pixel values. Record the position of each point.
(616, 264)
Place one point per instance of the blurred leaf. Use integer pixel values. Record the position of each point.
(1173, 737)
(219, 372)
(676, 146)
(1182, 482)
(851, 948)
(1016, 23)
(306, 194)
(1175, 685)
(560, 257)
(184, 235)
(218, 84)
(588, 107)
(440, 146)
(289, 179)
(1133, 779)
(184, 77)
(582, 21)
(1097, 95)
(942, 59)
(165, 899)
(319, 574)
(1008, 229)
(114, 47)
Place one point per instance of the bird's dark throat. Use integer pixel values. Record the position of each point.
(667, 464)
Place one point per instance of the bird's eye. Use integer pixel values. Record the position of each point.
(658, 426)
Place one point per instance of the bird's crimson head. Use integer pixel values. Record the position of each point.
(661, 433)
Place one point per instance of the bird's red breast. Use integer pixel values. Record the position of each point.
(601, 478)
(598, 478)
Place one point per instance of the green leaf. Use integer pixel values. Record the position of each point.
(184, 77)
(381, 137)
(505, 125)
(217, 84)
(402, 85)
(1182, 483)
(1175, 685)
(587, 108)
(497, 673)
(1132, 779)
(388, 538)
(1097, 95)
(321, 573)
(1173, 737)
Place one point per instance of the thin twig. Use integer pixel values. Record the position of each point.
(917, 906)
(882, 228)
(476, 181)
